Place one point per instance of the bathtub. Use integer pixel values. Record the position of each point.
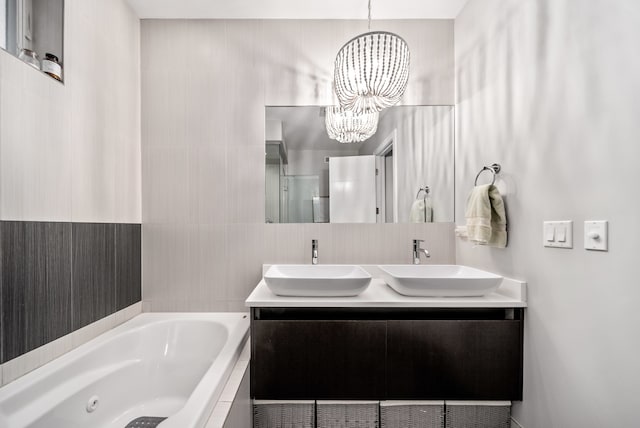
(156, 365)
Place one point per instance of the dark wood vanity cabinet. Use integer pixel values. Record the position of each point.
(386, 354)
(318, 359)
(454, 359)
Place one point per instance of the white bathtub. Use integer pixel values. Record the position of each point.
(161, 365)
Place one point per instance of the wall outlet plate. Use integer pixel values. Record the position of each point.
(557, 234)
(596, 235)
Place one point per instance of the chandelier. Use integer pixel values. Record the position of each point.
(371, 71)
(348, 127)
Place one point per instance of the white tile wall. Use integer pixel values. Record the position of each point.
(240, 414)
(35, 164)
(204, 88)
(72, 152)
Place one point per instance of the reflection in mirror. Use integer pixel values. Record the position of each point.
(32, 30)
(404, 173)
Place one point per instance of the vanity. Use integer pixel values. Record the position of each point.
(382, 345)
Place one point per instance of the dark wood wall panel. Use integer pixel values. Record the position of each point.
(128, 265)
(36, 285)
(58, 277)
(93, 267)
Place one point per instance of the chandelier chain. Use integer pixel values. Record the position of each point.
(369, 20)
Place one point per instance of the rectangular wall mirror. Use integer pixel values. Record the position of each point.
(404, 173)
(33, 31)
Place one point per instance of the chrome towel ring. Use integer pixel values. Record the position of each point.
(494, 169)
(424, 189)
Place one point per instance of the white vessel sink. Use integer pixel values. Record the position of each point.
(439, 280)
(317, 280)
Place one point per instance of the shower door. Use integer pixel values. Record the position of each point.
(298, 192)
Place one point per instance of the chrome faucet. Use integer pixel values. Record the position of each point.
(417, 250)
(314, 251)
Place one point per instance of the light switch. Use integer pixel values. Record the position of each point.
(550, 233)
(596, 235)
(558, 234)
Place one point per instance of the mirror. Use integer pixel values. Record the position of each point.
(404, 173)
(32, 30)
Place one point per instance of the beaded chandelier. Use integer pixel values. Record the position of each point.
(371, 71)
(348, 127)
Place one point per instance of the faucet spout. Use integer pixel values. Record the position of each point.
(314, 251)
(417, 250)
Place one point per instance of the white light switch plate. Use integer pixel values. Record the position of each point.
(596, 235)
(557, 234)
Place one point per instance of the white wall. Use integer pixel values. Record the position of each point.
(549, 89)
(205, 84)
(72, 152)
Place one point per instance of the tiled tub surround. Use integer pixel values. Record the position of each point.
(233, 409)
(59, 277)
(161, 365)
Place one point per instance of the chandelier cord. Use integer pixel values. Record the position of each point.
(369, 15)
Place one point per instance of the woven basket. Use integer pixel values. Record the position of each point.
(347, 414)
(478, 414)
(283, 414)
(412, 414)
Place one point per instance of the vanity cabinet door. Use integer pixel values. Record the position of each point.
(455, 359)
(318, 360)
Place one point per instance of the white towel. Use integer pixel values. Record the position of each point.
(461, 232)
(428, 210)
(486, 217)
(421, 211)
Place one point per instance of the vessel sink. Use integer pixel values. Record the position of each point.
(439, 280)
(317, 280)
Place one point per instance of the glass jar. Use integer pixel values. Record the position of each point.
(51, 66)
(30, 57)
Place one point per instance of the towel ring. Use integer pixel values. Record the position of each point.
(494, 169)
(424, 189)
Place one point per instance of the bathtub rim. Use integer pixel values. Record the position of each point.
(236, 323)
(205, 395)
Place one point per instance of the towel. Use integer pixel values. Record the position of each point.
(486, 218)
(461, 232)
(421, 211)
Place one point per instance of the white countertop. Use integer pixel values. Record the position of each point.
(510, 294)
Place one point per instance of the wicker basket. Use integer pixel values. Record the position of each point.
(283, 414)
(348, 414)
(478, 414)
(412, 414)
